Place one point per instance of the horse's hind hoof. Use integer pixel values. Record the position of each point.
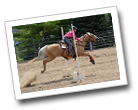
(93, 62)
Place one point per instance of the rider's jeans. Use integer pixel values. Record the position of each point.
(66, 40)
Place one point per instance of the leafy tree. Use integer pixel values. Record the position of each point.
(30, 34)
(93, 24)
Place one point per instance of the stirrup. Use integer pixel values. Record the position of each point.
(74, 56)
(71, 54)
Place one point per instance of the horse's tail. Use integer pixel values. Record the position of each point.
(41, 54)
(32, 61)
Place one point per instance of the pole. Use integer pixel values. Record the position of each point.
(76, 51)
(90, 45)
(34, 47)
(62, 39)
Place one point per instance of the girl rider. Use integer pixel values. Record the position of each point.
(69, 35)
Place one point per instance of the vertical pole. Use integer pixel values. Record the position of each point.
(90, 45)
(76, 52)
(62, 39)
(16, 53)
(34, 48)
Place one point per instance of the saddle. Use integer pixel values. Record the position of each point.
(65, 46)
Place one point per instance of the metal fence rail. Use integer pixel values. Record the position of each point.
(30, 51)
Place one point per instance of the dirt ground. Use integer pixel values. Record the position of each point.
(105, 69)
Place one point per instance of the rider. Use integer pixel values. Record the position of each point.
(67, 36)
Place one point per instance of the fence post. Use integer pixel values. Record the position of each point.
(91, 46)
(16, 54)
(62, 39)
(34, 48)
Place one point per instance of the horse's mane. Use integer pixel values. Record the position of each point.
(82, 36)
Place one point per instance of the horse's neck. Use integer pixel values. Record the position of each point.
(82, 43)
(85, 38)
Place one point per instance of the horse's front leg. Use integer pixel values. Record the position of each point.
(87, 54)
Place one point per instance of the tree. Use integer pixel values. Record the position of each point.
(30, 35)
(93, 24)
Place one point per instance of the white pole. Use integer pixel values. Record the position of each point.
(62, 39)
(76, 52)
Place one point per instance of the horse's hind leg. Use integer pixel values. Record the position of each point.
(44, 63)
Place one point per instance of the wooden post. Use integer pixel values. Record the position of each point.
(62, 39)
(34, 48)
(91, 46)
(16, 53)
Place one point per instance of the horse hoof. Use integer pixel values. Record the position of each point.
(93, 62)
(42, 72)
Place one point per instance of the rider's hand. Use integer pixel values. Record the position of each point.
(81, 40)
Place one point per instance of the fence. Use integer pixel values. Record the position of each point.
(29, 51)
(106, 40)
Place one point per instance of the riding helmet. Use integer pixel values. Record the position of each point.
(74, 27)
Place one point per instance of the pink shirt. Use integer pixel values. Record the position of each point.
(70, 34)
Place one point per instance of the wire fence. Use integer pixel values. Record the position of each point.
(29, 51)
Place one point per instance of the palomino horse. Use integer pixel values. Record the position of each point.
(54, 50)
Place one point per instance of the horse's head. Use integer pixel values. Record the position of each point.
(92, 37)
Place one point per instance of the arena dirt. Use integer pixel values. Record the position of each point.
(105, 69)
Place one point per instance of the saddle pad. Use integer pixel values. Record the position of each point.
(63, 46)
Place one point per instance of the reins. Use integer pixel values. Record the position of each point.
(83, 38)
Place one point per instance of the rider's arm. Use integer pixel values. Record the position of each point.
(76, 37)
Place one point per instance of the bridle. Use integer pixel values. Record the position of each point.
(88, 35)
(83, 38)
(91, 36)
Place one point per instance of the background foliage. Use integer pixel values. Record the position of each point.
(26, 36)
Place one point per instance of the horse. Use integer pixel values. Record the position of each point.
(54, 50)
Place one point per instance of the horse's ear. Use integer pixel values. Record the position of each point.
(88, 33)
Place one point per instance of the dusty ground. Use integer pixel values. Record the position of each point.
(105, 69)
